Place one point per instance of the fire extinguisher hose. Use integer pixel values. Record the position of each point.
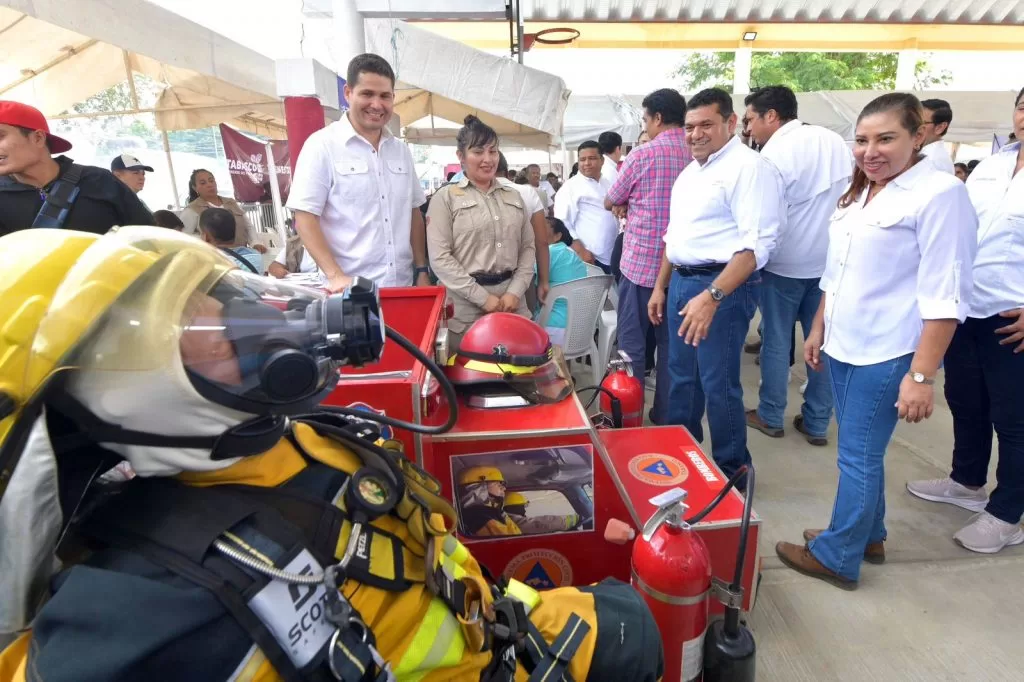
(732, 616)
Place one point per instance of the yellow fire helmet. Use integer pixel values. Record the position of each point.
(33, 263)
(139, 309)
(515, 500)
(480, 475)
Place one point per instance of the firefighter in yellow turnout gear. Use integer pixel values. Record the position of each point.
(249, 546)
(515, 506)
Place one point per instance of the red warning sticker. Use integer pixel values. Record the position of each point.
(658, 469)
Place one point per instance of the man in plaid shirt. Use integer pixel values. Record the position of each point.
(642, 194)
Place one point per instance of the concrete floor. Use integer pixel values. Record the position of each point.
(933, 612)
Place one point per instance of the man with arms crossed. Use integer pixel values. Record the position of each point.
(580, 205)
(355, 192)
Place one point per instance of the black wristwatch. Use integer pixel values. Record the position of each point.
(716, 294)
(421, 269)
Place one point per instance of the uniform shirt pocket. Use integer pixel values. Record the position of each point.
(398, 178)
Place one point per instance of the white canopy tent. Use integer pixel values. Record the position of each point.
(443, 81)
(57, 54)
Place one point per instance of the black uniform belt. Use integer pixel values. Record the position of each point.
(699, 270)
(489, 279)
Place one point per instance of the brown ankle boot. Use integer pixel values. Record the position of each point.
(874, 554)
(800, 559)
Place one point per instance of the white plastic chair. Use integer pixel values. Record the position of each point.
(613, 291)
(584, 300)
(608, 322)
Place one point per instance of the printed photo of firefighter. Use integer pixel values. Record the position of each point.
(493, 504)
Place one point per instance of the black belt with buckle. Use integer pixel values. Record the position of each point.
(489, 279)
(699, 270)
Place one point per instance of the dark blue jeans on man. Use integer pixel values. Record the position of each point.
(634, 324)
(985, 389)
(709, 375)
(784, 302)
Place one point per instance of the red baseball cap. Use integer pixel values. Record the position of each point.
(24, 116)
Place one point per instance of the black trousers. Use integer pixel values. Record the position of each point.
(985, 390)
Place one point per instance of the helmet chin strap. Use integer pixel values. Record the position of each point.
(251, 437)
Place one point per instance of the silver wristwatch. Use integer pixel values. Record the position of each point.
(919, 378)
(716, 293)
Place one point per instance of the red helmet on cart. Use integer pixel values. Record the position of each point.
(503, 352)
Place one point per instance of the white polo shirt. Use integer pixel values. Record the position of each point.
(732, 203)
(364, 198)
(998, 198)
(936, 154)
(902, 259)
(580, 205)
(815, 165)
(610, 170)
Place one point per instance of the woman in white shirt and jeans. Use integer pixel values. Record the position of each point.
(897, 282)
(985, 361)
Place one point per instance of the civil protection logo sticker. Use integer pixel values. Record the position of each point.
(657, 469)
(541, 569)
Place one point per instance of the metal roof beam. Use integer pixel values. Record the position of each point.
(431, 9)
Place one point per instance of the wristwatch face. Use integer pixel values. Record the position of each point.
(716, 293)
(917, 376)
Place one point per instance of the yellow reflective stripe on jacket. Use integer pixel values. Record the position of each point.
(523, 593)
(438, 643)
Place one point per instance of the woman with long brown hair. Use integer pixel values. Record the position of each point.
(897, 282)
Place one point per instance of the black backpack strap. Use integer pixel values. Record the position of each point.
(59, 200)
(227, 594)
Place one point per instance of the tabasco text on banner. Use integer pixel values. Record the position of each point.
(247, 163)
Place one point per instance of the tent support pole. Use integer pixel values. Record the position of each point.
(170, 169)
(566, 166)
(131, 79)
(275, 195)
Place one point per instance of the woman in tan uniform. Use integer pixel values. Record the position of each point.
(202, 194)
(479, 236)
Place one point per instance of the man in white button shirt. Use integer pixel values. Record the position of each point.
(724, 219)
(815, 165)
(938, 116)
(355, 193)
(985, 362)
(611, 149)
(580, 205)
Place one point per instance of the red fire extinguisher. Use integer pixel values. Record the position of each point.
(622, 394)
(672, 570)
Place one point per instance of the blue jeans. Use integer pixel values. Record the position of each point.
(632, 335)
(784, 301)
(710, 373)
(866, 411)
(983, 389)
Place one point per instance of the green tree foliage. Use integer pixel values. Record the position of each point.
(805, 71)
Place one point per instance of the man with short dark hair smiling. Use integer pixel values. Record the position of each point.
(725, 216)
(355, 193)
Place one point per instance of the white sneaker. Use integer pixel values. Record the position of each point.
(987, 534)
(949, 491)
(803, 387)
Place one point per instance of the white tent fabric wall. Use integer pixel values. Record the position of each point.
(587, 117)
(57, 54)
(442, 79)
